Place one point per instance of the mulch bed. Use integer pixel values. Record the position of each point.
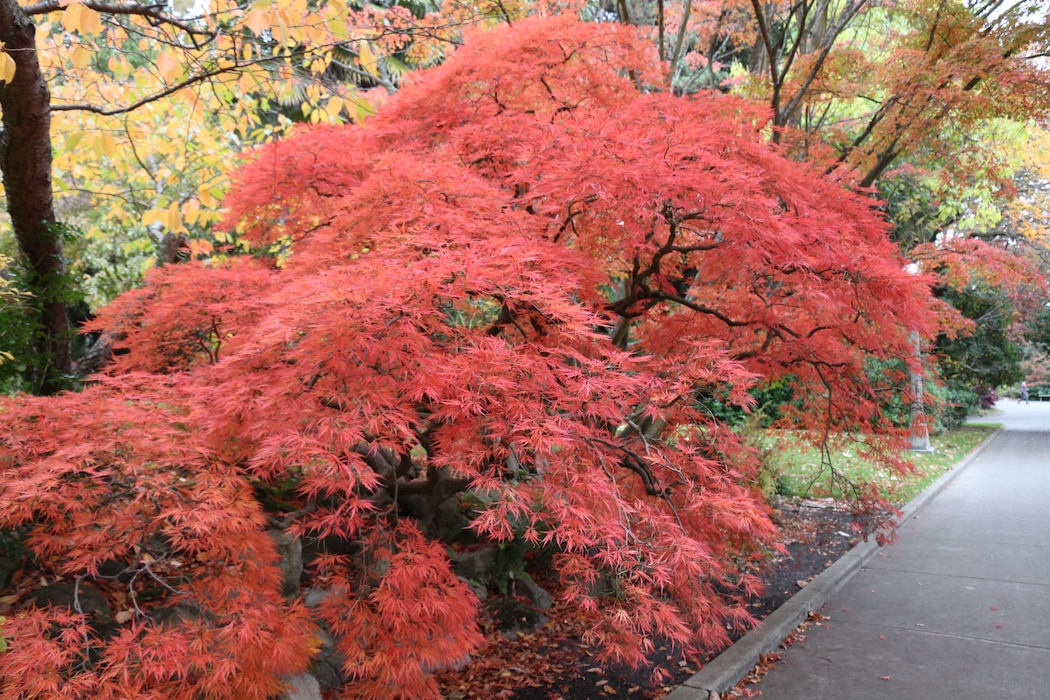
(554, 663)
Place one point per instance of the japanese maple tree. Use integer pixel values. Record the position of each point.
(519, 282)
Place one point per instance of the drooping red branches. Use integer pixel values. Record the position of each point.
(520, 283)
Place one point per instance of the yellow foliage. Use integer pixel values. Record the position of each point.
(81, 19)
(7, 65)
(126, 179)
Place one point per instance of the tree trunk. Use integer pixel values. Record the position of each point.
(25, 160)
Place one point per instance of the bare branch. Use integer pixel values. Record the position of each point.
(153, 12)
(169, 90)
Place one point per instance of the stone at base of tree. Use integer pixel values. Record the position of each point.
(327, 666)
(529, 589)
(84, 598)
(514, 618)
(475, 565)
(479, 589)
(114, 568)
(302, 687)
(8, 567)
(452, 521)
(98, 355)
(290, 551)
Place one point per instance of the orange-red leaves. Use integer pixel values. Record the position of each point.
(515, 286)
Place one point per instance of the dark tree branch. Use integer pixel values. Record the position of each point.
(152, 12)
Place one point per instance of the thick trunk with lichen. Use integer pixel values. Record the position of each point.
(25, 159)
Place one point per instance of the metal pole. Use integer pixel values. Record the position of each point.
(920, 436)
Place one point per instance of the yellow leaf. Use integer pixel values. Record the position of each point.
(335, 15)
(334, 107)
(258, 20)
(90, 21)
(73, 139)
(151, 217)
(208, 196)
(363, 109)
(81, 56)
(71, 17)
(173, 218)
(7, 67)
(368, 59)
(109, 145)
(80, 19)
(168, 67)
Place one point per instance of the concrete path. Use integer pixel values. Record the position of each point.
(960, 606)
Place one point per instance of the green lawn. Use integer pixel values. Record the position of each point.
(798, 471)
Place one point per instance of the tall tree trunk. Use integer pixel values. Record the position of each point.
(25, 160)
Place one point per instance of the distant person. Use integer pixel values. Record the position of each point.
(1024, 393)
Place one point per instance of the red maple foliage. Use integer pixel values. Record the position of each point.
(525, 280)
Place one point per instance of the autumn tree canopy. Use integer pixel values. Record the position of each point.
(139, 105)
(518, 286)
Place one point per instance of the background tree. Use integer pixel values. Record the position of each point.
(511, 288)
(222, 61)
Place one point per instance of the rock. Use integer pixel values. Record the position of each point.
(114, 568)
(453, 518)
(302, 687)
(290, 550)
(312, 597)
(172, 615)
(476, 565)
(85, 598)
(12, 555)
(528, 588)
(8, 567)
(327, 666)
(479, 589)
(514, 618)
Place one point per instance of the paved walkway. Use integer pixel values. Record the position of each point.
(960, 606)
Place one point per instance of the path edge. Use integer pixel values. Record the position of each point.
(730, 667)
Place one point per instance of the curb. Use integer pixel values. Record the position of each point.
(729, 667)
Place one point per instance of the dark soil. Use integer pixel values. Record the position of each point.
(554, 664)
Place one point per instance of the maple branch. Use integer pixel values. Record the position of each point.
(676, 55)
(767, 43)
(289, 518)
(634, 462)
(700, 308)
(933, 27)
(828, 42)
(800, 11)
(863, 136)
(506, 316)
(638, 288)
